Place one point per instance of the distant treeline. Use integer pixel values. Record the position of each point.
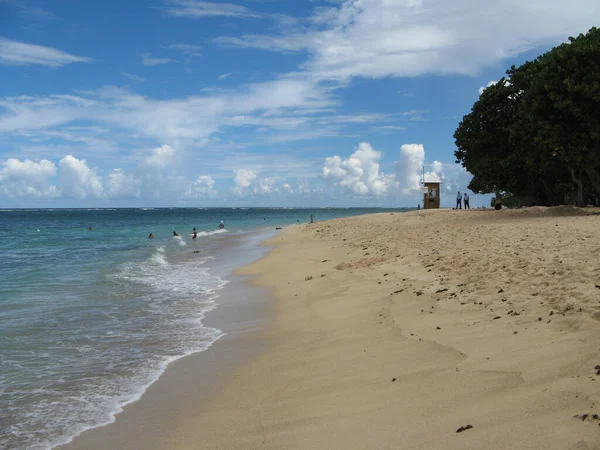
(534, 136)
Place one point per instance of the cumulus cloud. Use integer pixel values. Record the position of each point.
(301, 188)
(157, 175)
(160, 157)
(437, 173)
(77, 180)
(242, 180)
(249, 182)
(160, 176)
(380, 38)
(202, 187)
(22, 54)
(360, 172)
(119, 184)
(27, 178)
(409, 167)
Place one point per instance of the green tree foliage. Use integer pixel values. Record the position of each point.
(534, 137)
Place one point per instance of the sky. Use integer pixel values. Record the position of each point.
(301, 103)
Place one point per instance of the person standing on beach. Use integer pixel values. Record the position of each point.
(466, 201)
(458, 201)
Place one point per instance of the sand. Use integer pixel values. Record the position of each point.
(392, 331)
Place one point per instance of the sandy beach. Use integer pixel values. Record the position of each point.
(397, 330)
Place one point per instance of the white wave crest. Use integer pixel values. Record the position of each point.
(211, 233)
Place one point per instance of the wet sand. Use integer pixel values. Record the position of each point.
(242, 313)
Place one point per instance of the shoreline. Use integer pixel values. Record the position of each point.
(397, 330)
(240, 311)
(393, 330)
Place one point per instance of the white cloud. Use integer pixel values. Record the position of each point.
(27, 170)
(389, 128)
(380, 38)
(285, 104)
(185, 49)
(77, 180)
(483, 88)
(27, 178)
(160, 158)
(410, 167)
(202, 187)
(301, 188)
(360, 172)
(148, 60)
(23, 54)
(242, 180)
(120, 184)
(248, 182)
(160, 175)
(133, 77)
(437, 174)
(195, 9)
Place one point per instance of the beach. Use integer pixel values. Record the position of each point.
(93, 313)
(420, 330)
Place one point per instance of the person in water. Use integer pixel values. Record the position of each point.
(221, 225)
(194, 234)
(90, 228)
(150, 236)
(175, 234)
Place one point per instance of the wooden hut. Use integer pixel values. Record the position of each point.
(431, 194)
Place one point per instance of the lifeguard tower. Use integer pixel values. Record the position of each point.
(430, 189)
(431, 194)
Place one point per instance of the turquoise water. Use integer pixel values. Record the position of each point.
(90, 318)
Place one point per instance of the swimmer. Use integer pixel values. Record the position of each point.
(90, 228)
(195, 235)
(221, 225)
(175, 234)
(150, 236)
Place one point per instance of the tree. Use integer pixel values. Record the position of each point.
(535, 135)
(563, 105)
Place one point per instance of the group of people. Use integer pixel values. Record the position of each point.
(194, 232)
(462, 199)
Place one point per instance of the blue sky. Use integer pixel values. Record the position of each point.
(252, 102)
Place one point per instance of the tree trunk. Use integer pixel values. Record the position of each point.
(594, 177)
(577, 180)
(548, 194)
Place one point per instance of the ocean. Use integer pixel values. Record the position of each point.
(90, 318)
